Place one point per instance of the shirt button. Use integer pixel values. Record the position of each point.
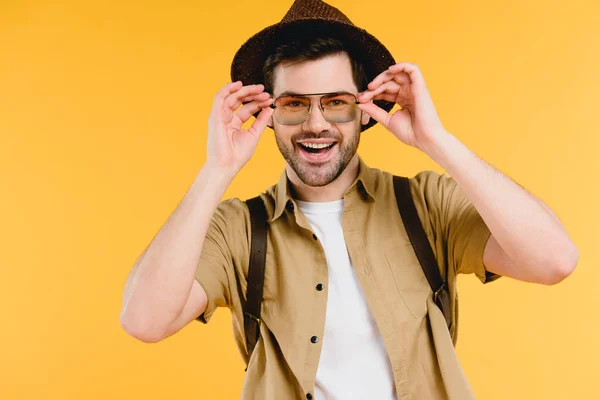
(290, 206)
(314, 339)
(309, 396)
(320, 287)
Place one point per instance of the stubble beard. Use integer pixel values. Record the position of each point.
(318, 175)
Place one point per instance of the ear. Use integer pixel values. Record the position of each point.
(364, 118)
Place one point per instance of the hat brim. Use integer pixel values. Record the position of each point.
(247, 65)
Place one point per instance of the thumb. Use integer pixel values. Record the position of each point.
(376, 112)
(261, 121)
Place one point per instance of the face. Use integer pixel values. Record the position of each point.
(317, 150)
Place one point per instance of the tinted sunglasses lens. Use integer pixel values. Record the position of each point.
(290, 110)
(339, 108)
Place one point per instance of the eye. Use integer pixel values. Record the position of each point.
(336, 103)
(291, 103)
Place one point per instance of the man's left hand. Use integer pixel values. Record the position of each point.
(416, 123)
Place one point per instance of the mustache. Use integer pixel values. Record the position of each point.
(312, 135)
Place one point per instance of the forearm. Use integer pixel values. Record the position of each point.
(526, 229)
(159, 285)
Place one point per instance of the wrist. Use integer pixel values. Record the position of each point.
(212, 181)
(218, 173)
(437, 146)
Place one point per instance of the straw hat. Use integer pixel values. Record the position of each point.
(314, 17)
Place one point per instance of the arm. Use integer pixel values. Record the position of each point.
(161, 295)
(528, 241)
(160, 285)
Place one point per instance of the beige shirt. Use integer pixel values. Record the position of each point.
(419, 346)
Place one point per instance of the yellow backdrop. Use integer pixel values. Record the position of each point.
(103, 118)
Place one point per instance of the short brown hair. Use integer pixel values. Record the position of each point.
(309, 49)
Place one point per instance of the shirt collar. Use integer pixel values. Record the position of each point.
(283, 195)
(366, 177)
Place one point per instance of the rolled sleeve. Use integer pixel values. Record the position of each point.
(211, 274)
(477, 235)
(467, 233)
(215, 271)
(458, 224)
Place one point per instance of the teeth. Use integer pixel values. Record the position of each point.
(317, 145)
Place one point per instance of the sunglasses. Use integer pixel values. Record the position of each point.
(294, 109)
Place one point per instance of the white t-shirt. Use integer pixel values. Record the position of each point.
(353, 363)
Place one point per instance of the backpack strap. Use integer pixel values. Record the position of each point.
(420, 244)
(256, 271)
(258, 253)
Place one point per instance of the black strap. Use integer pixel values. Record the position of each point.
(256, 271)
(420, 243)
(258, 253)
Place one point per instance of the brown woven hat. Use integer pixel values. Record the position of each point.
(313, 17)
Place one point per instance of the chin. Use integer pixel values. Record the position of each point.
(319, 171)
(318, 175)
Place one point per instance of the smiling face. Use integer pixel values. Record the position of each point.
(317, 150)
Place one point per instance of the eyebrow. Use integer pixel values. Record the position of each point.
(292, 93)
(289, 93)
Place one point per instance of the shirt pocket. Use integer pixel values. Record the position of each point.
(409, 278)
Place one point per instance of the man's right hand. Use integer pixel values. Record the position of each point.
(229, 146)
(161, 295)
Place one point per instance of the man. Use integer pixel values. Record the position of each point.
(347, 312)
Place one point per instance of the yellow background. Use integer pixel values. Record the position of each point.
(103, 118)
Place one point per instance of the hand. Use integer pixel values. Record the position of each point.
(416, 123)
(229, 146)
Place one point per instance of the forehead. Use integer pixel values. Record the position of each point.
(329, 74)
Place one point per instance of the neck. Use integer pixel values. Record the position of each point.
(331, 192)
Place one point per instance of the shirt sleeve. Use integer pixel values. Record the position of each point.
(462, 228)
(215, 271)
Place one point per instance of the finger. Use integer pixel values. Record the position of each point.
(401, 96)
(376, 112)
(224, 92)
(389, 87)
(411, 69)
(264, 96)
(234, 97)
(261, 121)
(391, 97)
(380, 79)
(401, 77)
(250, 109)
(227, 89)
(261, 96)
(243, 95)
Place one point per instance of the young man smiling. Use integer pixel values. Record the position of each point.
(346, 312)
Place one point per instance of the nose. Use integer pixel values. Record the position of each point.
(315, 121)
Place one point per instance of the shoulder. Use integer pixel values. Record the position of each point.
(426, 183)
(230, 211)
(426, 180)
(431, 193)
(432, 186)
(229, 224)
(429, 180)
(232, 216)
